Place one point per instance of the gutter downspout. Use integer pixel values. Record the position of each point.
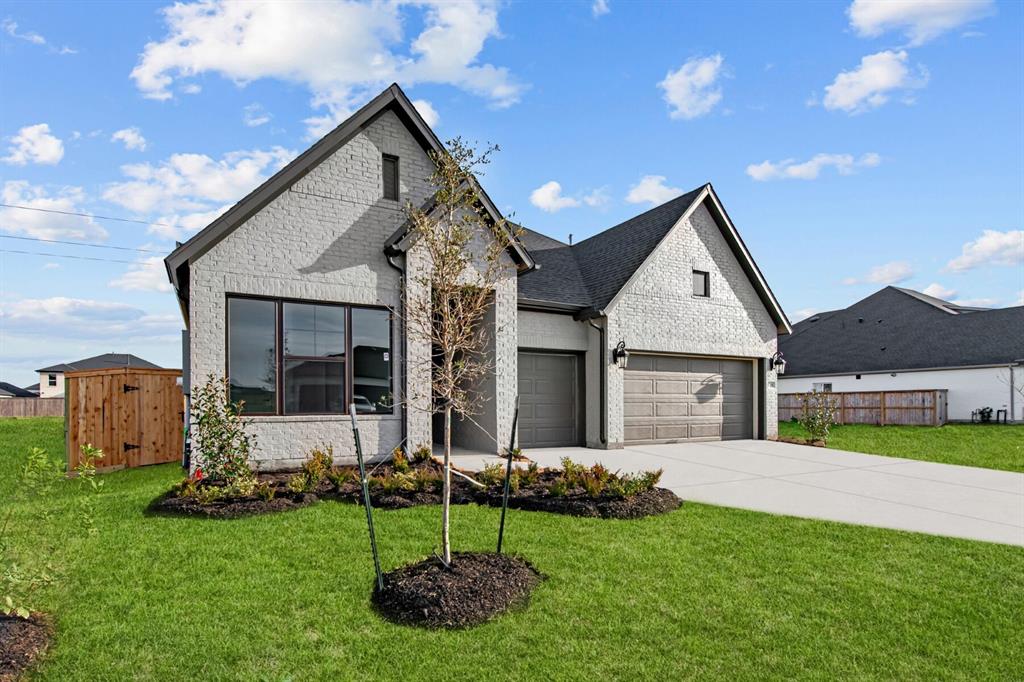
(602, 373)
(403, 375)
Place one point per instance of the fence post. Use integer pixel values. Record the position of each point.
(366, 497)
(508, 475)
(882, 404)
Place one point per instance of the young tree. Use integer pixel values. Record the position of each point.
(463, 247)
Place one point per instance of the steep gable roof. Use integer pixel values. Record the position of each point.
(102, 362)
(892, 330)
(391, 99)
(590, 274)
(13, 391)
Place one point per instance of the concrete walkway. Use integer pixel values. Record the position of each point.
(820, 483)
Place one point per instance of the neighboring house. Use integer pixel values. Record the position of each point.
(33, 389)
(11, 391)
(51, 379)
(290, 294)
(900, 339)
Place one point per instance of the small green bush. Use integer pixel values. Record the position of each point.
(399, 461)
(300, 483)
(425, 481)
(492, 474)
(339, 477)
(422, 454)
(559, 487)
(818, 414)
(222, 444)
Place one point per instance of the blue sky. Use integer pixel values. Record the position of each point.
(854, 144)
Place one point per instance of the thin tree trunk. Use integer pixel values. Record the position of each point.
(446, 547)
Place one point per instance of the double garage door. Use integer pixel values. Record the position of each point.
(668, 399)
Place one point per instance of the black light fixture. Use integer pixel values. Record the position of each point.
(620, 353)
(777, 362)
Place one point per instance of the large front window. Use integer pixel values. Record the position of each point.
(297, 357)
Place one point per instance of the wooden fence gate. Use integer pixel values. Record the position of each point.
(135, 415)
(923, 407)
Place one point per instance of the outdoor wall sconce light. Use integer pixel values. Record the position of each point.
(777, 362)
(620, 353)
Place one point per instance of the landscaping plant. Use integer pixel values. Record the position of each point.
(449, 300)
(818, 414)
(219, 435)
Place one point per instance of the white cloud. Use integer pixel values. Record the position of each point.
(191, 88)
(790, 169)
(802, 314)
(652, 189)
(976, 302)
(148, 274)
(938, 291)
(131, 137)
(61, 318)
(597, 197)
(690, 90)
(991, 248)
(178, 227)
(191, 182)
(42, 224)
(890, 273)
(34, 144)
(51, 266)
(871, 84)
(600, 8)
(427, 111)
(10, 27)
(254, 115)
(1020, 298)
(920, 20)
(548, 197)
(343, 52)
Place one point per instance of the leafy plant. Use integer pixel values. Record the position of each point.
(299, 483)
(530, 475)
(425, 481)
(399, 461)
(818, 414)
(492, 474)
(223, 446)
(265, 491)
(559, 487)
(340, 476)
(422, 454)
(318, 464)
(22, 576)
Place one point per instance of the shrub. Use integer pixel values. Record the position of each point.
(559, 487)
(627, 485)
(265, 491)
(318, 464)
(425, 481)
(492, 474)
(530, 475)
(817, 414)
(399, 461)
(592, 485)
(221, 441)
(573, 472)
(339, 477)
(299, 483)
(422, 454)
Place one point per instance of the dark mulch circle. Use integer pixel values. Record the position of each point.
(169, 504)
(21, 642)
(478, 587)
(577, 503)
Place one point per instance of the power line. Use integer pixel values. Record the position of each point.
(95, 246)
(90, 215)
(62, 255)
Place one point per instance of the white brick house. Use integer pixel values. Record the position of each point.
(289, 294)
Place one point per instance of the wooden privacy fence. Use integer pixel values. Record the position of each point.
(135, 415)
(922, 407)
(31, 407)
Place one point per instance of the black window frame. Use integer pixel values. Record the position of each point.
(397, 185)
(51, 379)
(280, 356)
(707, 283)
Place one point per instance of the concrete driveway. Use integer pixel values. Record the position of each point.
(819, 483)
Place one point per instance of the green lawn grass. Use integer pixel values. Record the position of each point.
(994, 446)
(702, 592)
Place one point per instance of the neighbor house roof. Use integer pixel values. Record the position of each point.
(102, 362)
(12, 391)
(900, 329)
(590, 274)
(392, 99)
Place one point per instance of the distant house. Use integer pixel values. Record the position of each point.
(51, 379)
(11, 391)
(33, 389)
(902, 339)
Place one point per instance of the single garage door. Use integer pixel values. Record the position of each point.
(668, 399)
(549, 400)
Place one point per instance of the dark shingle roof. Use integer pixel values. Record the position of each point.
(590, 273)
(14, 391)
(896, 330)
(102, 362)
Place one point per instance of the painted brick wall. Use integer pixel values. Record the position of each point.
(658, 312)
(320, 240)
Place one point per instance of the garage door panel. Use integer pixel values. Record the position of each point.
(676, 398)
(548, 400)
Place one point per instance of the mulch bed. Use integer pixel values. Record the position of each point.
(477, 587)
(21, 642)
(800, 441)
(169, 504)
(536, 497)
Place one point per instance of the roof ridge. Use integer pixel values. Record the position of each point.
(640, 215)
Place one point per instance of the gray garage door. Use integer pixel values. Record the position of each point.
(669, 399)
(548, 400)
